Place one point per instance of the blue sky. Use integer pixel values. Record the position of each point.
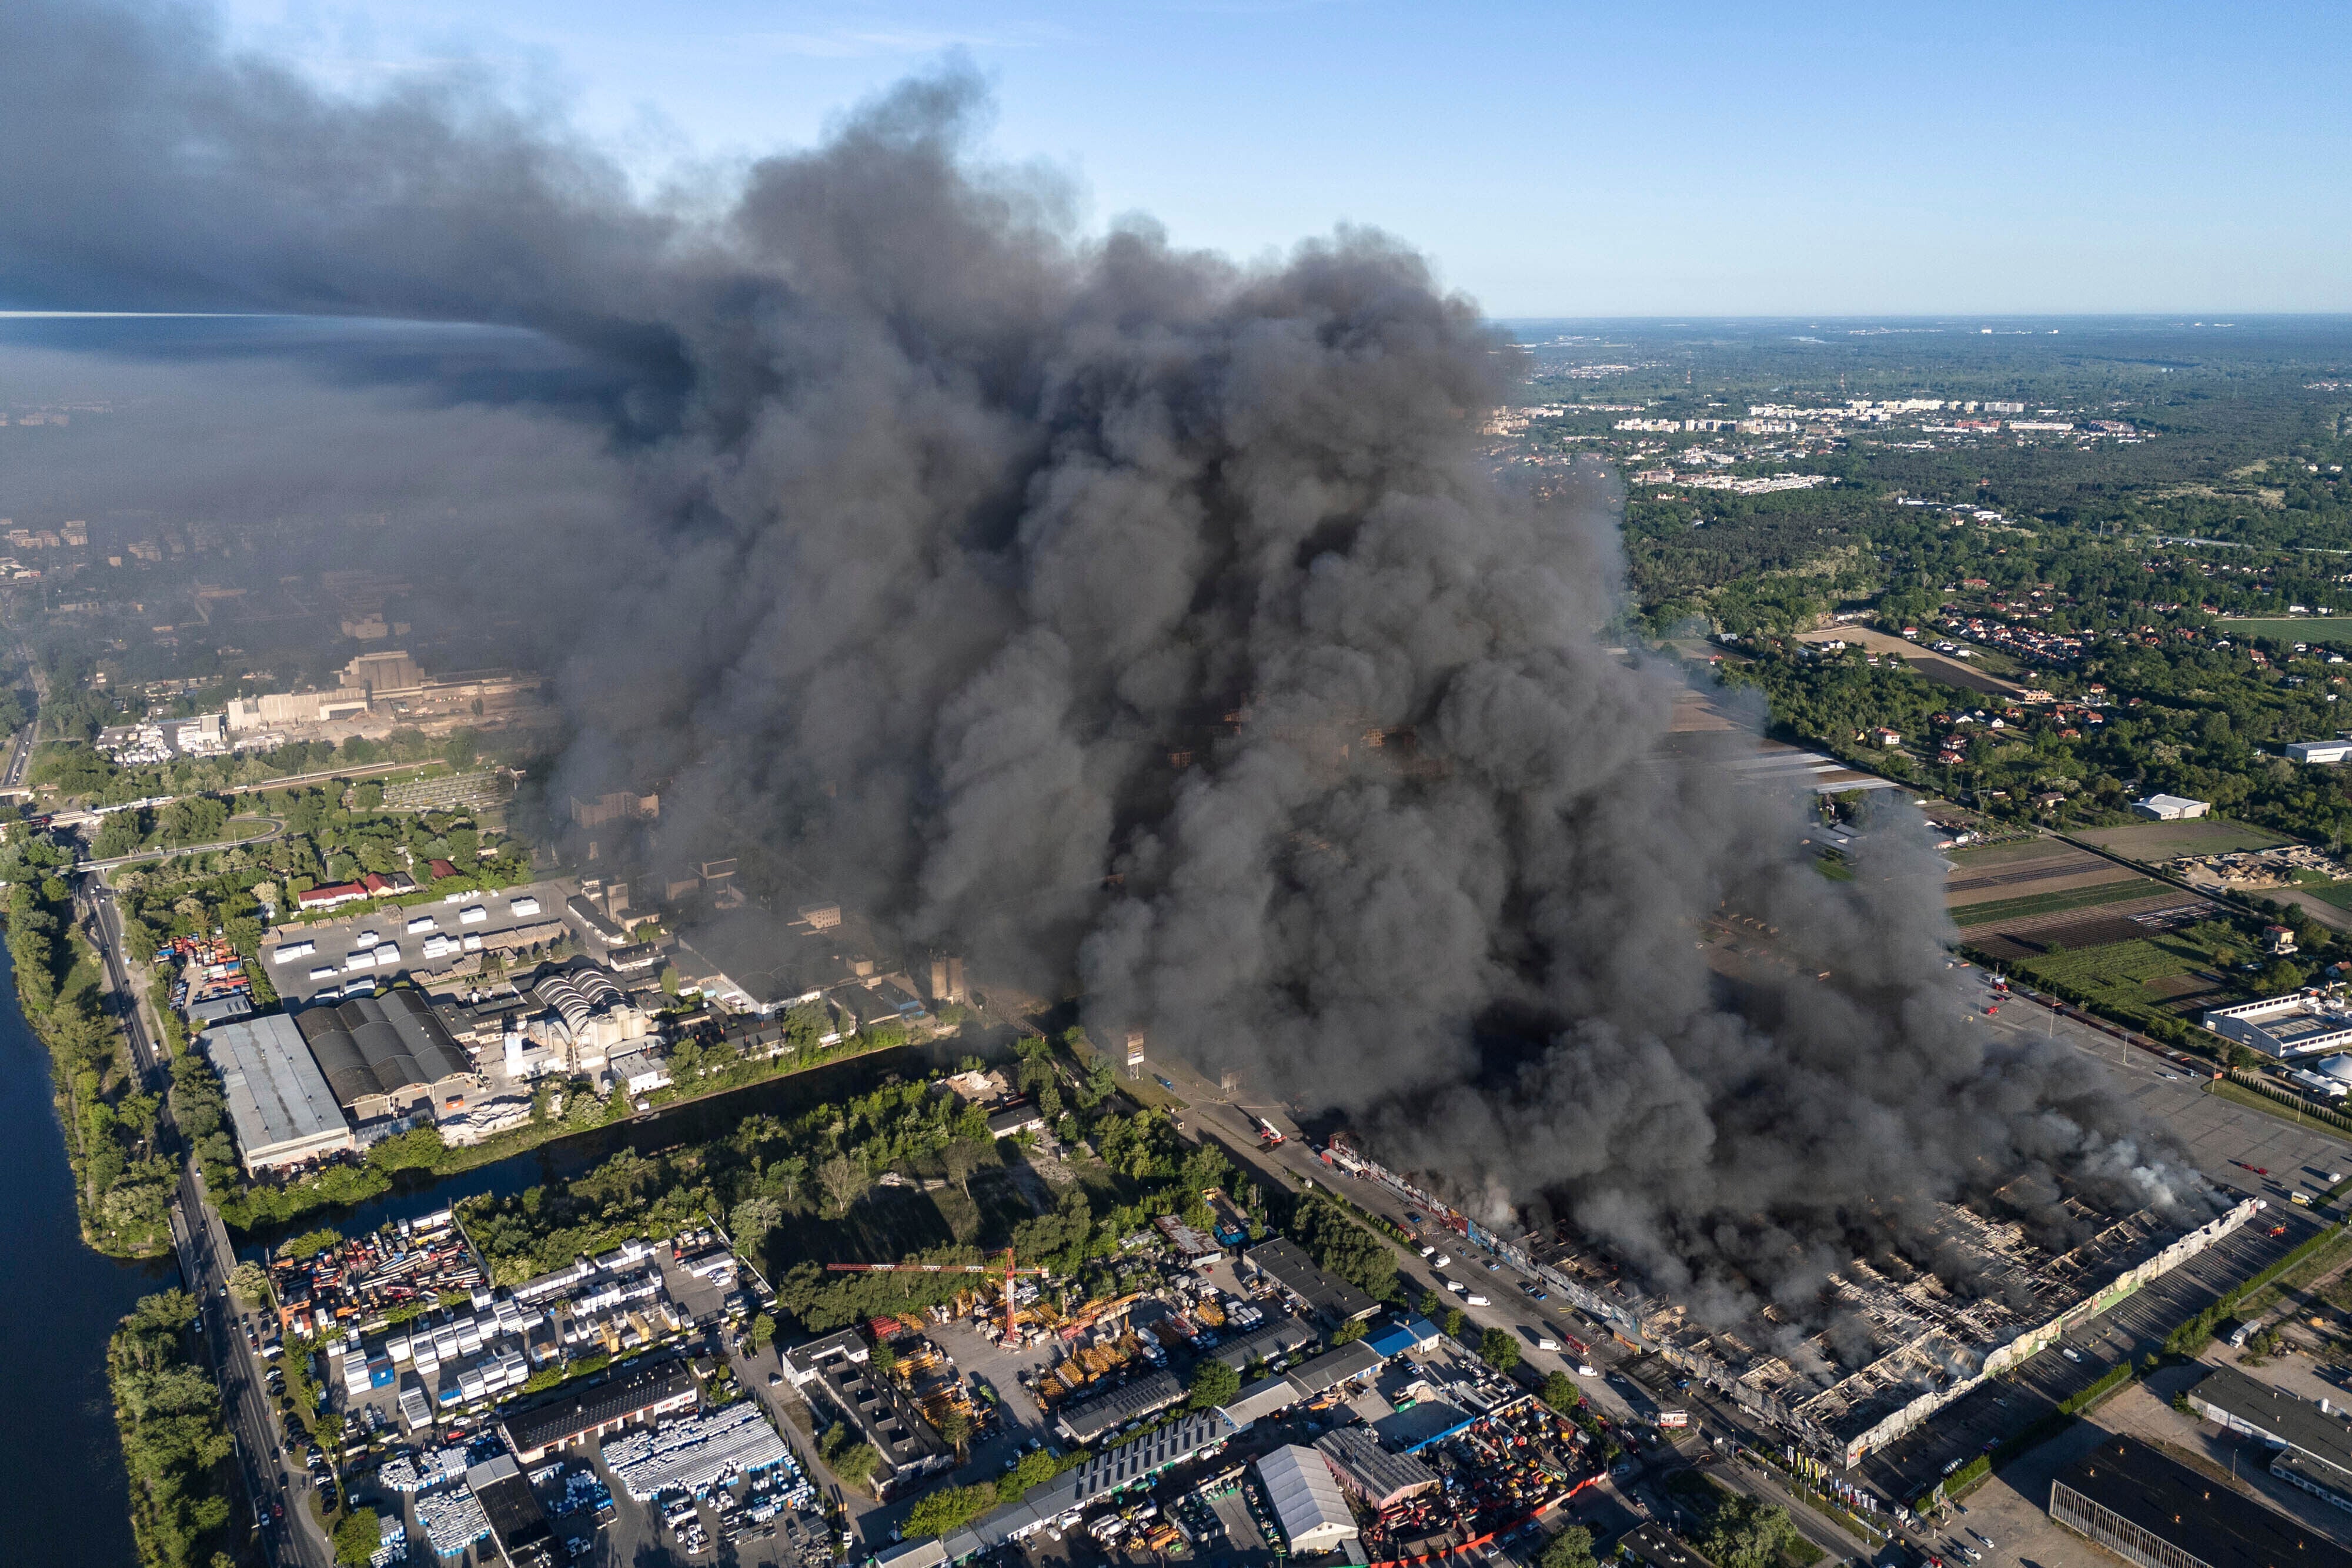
(1692, 157)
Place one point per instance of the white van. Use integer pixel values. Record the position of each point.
(359, 961)
(1477, 1300)
(525, 906)
(421, 924)
(472, 914)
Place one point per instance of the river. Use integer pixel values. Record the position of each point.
(61, 1478)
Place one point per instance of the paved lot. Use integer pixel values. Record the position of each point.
(300, 980)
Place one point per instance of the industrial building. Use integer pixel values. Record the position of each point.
(1334, 1300)
(755, 962)
(1382, 1479)
(2328, 753)
(518, 1524)
(2124, 1496)
(1283, 1337)
(1307, 1499)
(882, 1413)
(279, 1103)
(2171, 808)
(2314, 1440)
(1927, 1346)
(386, 1056)
(2302, 1023)
(1083, 1420)
(639, 1394)
(1130, 1465)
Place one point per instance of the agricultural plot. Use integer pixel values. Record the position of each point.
(2313, 629)
(2037, 876)
(2339, 894)
(2153, 842)
(2010, 910)
(2174, 972)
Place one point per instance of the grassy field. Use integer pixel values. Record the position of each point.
(2339, 894)
(2131, 975)
(2295, 628)
(1968, 914)
(2163, 841)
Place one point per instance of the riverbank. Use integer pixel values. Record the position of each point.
(62, 1481)
(112, 1124)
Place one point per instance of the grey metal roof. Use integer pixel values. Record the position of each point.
(1355, 1452)
(1334, 1367)
(2280, 1416)
(1086, 1419)
(2199, 1518)
(275, 1093)
(1305, 1497)
(379, 1045)
(1301, 1275)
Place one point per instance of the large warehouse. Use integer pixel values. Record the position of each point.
(281, 1103)
(385, 1056)
(1307, 1499)
(2148, 1510)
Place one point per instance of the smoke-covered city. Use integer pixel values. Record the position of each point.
(802, 854)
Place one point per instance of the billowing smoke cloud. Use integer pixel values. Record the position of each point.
(1131, 620)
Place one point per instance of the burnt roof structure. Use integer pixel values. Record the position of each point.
(380, 1045)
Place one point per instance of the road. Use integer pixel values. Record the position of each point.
(206, 1258)
(275, 829)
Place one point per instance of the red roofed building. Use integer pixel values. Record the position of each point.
(441, 868)
(329, 896)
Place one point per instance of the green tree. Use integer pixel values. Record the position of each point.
(357, 1536)
(1560, 1392)
(1572, 1548)
(1350, 1332)
(1213, 1383)
(1454, 1322)
(950, 1508)
(763, 1330)
(250, 1283)
(1746, 1533)
(1499, 1348)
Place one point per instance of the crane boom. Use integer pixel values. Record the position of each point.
(1011, 1336)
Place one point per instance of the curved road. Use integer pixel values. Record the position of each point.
(276, 830)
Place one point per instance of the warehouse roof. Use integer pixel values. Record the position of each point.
(1280, 1337)
(380, 1045)
(1306, 1499)
(569, 1415)
(1385, 1479)
(278, 1099)
(1334, 1367)
(2201, 1518)
(1297, 1273)
(517, 1522)
(1086, 1419)
(2278, 1415)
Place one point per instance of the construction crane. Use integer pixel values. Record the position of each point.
(1011, 1338)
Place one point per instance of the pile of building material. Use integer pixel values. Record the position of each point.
(453, 1520)
(690, 1455)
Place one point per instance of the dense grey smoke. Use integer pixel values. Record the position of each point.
(1134, 621)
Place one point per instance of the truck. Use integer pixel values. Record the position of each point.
(1268, 1134)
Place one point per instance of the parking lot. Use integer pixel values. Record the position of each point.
(353, 955)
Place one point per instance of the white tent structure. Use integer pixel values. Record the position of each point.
(1307, 1499)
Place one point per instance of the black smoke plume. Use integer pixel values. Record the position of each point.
(1132, 619)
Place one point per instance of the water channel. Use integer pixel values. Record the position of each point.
(62, 1478)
